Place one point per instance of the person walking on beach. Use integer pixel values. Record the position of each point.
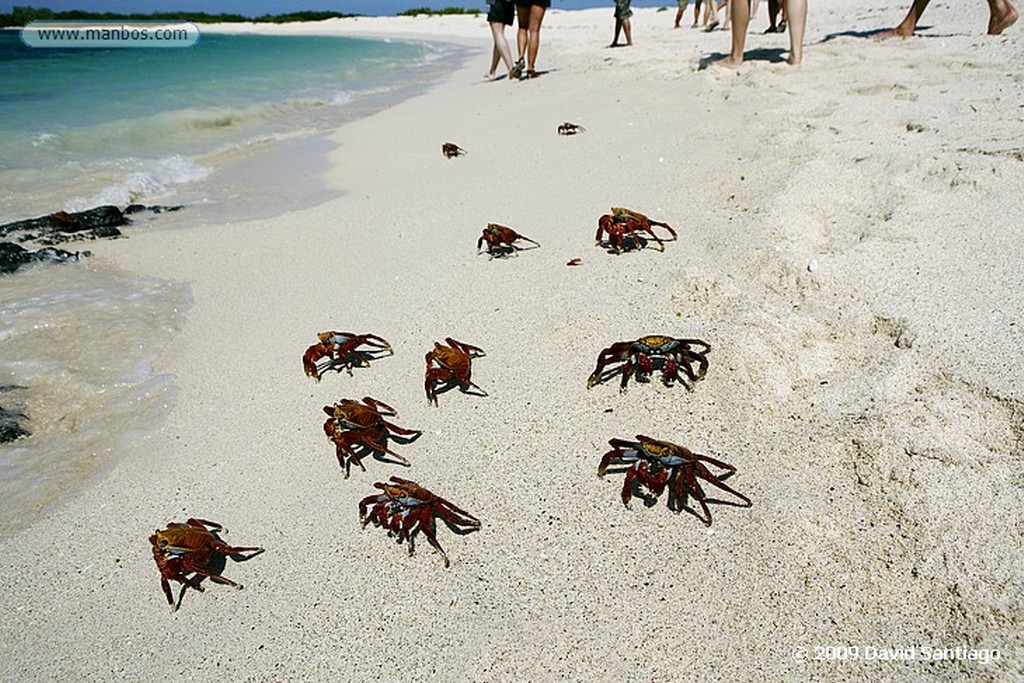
(711, 14)
(682, 8)
(530, 16)
(500, 13)
(774, 25)
(796, 14)
(1001, 16)
(622, 15)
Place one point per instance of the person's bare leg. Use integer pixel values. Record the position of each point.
(796, 13)
(502, 50)
(909, 23)
(740, 22)
(696, 13)
(495, 58)
(1002, 16)
(773, 16)
(522, 30)
(710, 15)
(536, 18)
(628, 30)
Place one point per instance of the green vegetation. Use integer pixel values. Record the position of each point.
(447, 10)
(23, 15)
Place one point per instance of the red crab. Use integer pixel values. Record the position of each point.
(188, 548)
(405, 508)
(640, 356)
(658, 464)
(450, 149)
(358, 425)
(447, 365)
(500, 240)
(623, 223)
(341, 349)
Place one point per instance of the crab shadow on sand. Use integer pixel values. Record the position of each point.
(362, 451)
(677, 503)
(218, 562)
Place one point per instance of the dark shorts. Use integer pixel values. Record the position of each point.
(622, 10)
(539, 3)
(501, 11)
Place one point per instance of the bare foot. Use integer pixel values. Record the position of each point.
(999, 23)
(898, 32)
(729, 62)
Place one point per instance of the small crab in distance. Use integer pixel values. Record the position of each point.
(405, 508)
(450, 149)
(622, 224)
(570, 129)
(642, 356)
(657, 465)
(357, 428)
(500, 240)
(190, 548)
(341, 351)
(449, 366)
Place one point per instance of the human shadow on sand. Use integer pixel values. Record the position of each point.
(773, 55)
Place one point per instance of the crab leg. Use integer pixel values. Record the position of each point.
(468, 349)
(381, 407)
(697, 491)
(429, 530)
(376, 499)
(400, 430)
(380, 446)
(703, 472)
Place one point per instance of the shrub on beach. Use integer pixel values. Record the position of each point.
(447, 10)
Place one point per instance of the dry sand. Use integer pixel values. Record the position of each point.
(849, 244)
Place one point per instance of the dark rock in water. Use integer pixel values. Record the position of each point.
(10, 425)
(14, 256)
(11, 420)
(60, 227)
(102, 221)
(139, 208)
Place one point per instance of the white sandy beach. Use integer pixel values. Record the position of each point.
(850, 247)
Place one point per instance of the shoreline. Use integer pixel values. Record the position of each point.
(864, 375)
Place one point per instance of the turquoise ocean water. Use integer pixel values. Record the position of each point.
(81, 128)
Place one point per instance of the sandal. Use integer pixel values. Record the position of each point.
(517, 70)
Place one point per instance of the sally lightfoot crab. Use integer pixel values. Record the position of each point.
(657, 465)
(500, 240)
(405, 508)
(449, 366)
(191, 548)
(450, 149)
(358, 428)
(642, 356)
(342, 351)
(622, 224)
